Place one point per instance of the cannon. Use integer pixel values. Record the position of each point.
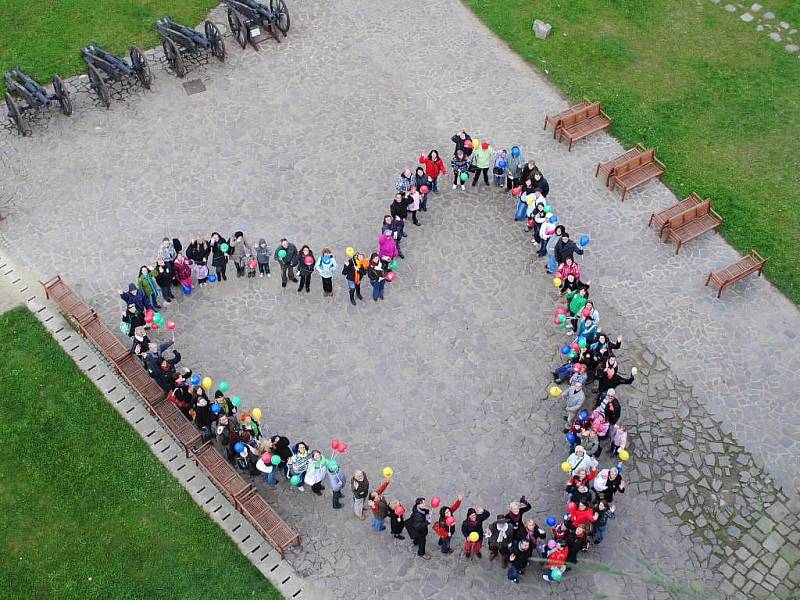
(114, 68)
(32, 96)
(179, 40)
(247, 19)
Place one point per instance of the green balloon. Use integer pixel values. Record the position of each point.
(547, 209)
(223, 386)
(281, 253)
(224, 247)
(464, 176)
(295, 480)
(276, 460)
(555, 574)
(561, 318)
(333, 466)
(236, 401)
(393, 265)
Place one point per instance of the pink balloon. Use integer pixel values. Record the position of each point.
(400, 511)
(450, 521)
(571, 506)
(308, 260)
(171, 325)
(424, 189)
(343, 448)
(390, 276)
(335, 444)
(435, 502)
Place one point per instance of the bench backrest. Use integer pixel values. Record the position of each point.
(690, 214)
(635, 162)
(581, 115)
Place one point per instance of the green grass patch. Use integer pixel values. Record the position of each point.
(46, 36)
(718, 101)
(86, 510)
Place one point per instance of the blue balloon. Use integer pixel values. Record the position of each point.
(571, 437)
(239, 447)
(554, 219)
(195, 379)
(551, 521)
(565, 350)
(326, 259)
(515, 151)
(187, 290)
(501, 163)
(216, 408)
(583, 415)
(619, 467)
(212, 278)
(584, 241)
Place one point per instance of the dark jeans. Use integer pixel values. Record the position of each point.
(239, 268)
(513, 573)
(419, 540)
(287, 272)
(414, 217)
(511, 182)
(166, 291)
(337, 495)
(263, 268)
(600, 532)
(444, 543)
(221, 272)
(478, 172)
(305, 281)
(327, 284)
(377, 288)
(434, 188)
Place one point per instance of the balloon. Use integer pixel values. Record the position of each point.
(390, 276)
(224, 247)
(587, 312)
(501, 163)
(561, 318)
(464, 177)
(467, 143)
(548, 208)
(253, 264)
(282, 253)
(561, 311)
(583, 415)
(224, 386)
(553, 219)
(515, 151)
(475, 142)
(239, 447)
(529, 201)
(216, 408)
(308, 260)
(584, 241)
(212, 278)
(335, 444)
(266, 458)
(333, 466)
(582, 342)
(195, 380)
(256, 413)
(187, 290)
(424, 189)
(148, 317)
(207, 382)
(624, 454)
(350, 251)
(563, 325)
(154, 326)
(557, 281)
(551, 522)
(571, 438)
(485, 145)
(555, 391)
(295, 480)
(575, 347)
(157, 317)
(343, 448)
(571, 506)
(393, 265)
(552, 543)
(435, 502)
(565, 350)
(400, 511)
(565, 467)
(450, 521)
(573, 354)
(473, 537)
(325, 259)
(516, 192)
(275, 460)
(388, 472)
(555, 574)
(619, 468)
(236, 401)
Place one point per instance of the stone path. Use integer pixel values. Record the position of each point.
(445, 381)
(765, 21)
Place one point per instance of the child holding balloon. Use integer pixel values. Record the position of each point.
(326, 266)
(472, 529)
(306, 268)
(396, 520)
(499, 167)
(379, 507)
(460, 165)
(445, 527)
(513, 168)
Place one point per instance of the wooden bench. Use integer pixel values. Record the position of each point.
(636, 171)
(556, 119)
(583, 123)
(269, 524)
(182, 429)
(221, 472)
(75, 309)
(662, 217)
(607, 168)
(693, 222)
(105, 341)
(739, 270)
(139, 379)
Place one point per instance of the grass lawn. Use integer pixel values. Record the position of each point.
(719, 101)
(86, 510)
(45, 36)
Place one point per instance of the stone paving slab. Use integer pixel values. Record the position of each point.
(447, 378)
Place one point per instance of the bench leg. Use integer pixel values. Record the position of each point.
(650, 222)
(569, 148)
(708, 280)
(597, 170)
(624, 191)
(545, 123)
(719, 293)
(678, 247)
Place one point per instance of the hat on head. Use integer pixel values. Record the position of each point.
(131, 287)
(611, 392)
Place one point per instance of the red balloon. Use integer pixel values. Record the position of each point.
(575, 346)
(424, 189)
(154, 326)
(571, 506)
(266, 458)
(516, 192)
(435, 502)
(335, 444)
(148, 317)
(450, 521)
(343, 448)
(253, 264)
(485, 145)
(308, 260)
(587, 313)
(171, 325)
(400, 511)
(390, 276)
(467, 143)
(561, 311)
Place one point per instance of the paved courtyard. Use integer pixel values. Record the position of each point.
(446, 381)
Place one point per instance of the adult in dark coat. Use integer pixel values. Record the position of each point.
(219, 258)
(459, 139)
(417, 526)
(566, 248)
(288, 262)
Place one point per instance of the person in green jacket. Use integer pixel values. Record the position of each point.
(482, 155)
(576, 301)
(147, 283)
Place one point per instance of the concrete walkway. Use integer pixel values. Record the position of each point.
(446, 380)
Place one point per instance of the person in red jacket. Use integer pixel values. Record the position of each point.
(445, 527)
(434, 166)
(556, 558)
(472, 529)
(581, 515)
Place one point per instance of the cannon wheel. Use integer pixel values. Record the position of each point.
(62, 95)
(174, 57)
(141, 67)
(238, 30)
(215, 38)
(15, 115)
(99, 85)
(282, 21)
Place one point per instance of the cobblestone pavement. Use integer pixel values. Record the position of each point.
(446, 381)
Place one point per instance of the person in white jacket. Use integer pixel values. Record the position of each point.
(581, 460)
(326, 267)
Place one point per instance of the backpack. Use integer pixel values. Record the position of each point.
(176, 243)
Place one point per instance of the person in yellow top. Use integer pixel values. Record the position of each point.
(482, 156)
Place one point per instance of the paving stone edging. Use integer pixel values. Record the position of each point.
(251, 544)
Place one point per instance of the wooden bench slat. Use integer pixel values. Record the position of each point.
(557, 118)
(608, 167)
(662, 217)
(268, 522)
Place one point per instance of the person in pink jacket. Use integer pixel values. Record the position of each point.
(387, 246)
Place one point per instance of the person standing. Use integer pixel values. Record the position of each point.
(396, 521)
(445, 527)
(460, 165)
(262, 258)
(460, 140)
(399, 210)
(404, 182)
(574, 398)
(326, 267)
(513, 168)
(472, 530)
(379, 507)
(240, 252)
(518, 559)
(499, 540)
(418, 526)
(167, 251)
(306, 268)
(147, 283)
(198, 251)
(219, 256)
(565, 249)
(359, 485)
(287, 258)
(354, 272)
(336, 479)
(164, 275)
(483, 156)
(377, 276)
(434, 166)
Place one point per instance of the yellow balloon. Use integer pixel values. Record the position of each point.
(476, 143)
(207, 383)
(555, 391)
(473, 537)
(557, 282)
(256, 413)
(624, 455)
(388, 472)
(565, 467)
(529, 201)
(350, 251)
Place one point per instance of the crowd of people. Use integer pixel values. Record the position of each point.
(592, 426)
